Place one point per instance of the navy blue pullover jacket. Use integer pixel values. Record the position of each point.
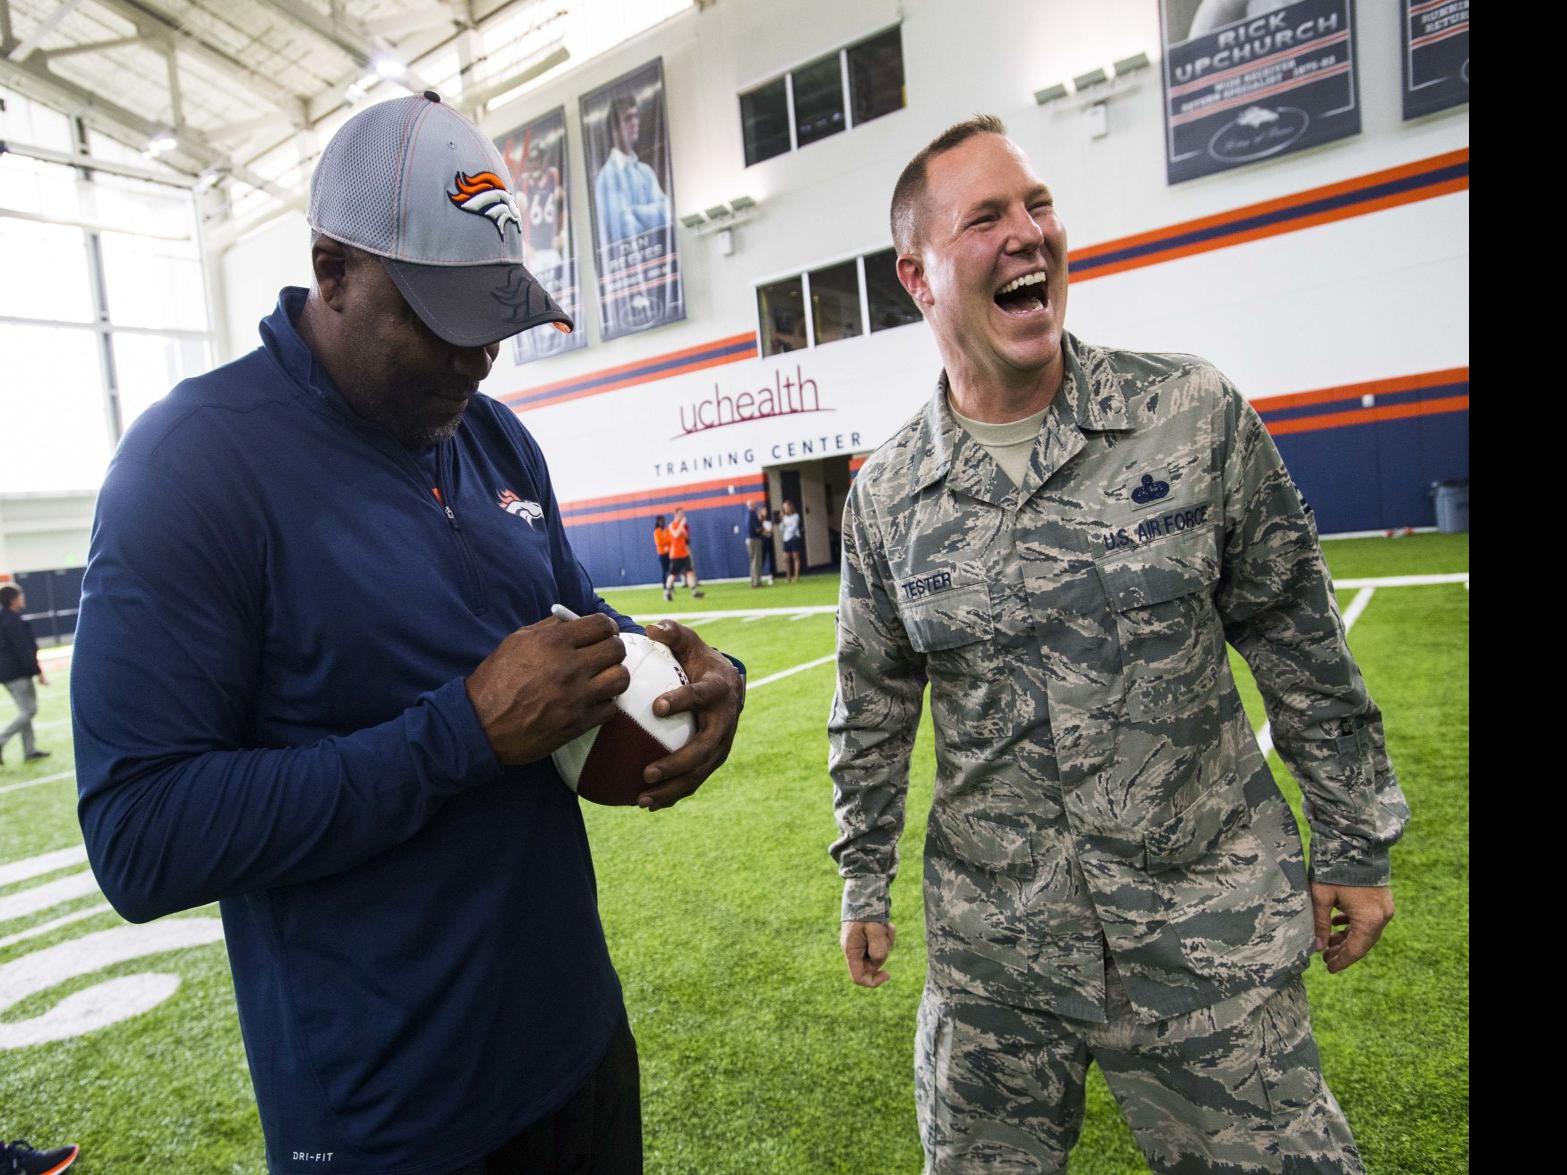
(268, 697)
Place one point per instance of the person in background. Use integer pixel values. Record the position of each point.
(793, 540)
(680, 556)
(756, 529)
(661, 545)
(18, 666)
(17, 1158)
(769, 548)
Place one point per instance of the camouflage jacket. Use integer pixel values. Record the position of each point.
(1097, 781)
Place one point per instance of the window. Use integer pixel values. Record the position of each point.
(835, 302)
(876, 76)
(839, 301)
(809, 103)
(781, 309)
(68, 338)
(818, 100)
(890, 304)
(764, 115)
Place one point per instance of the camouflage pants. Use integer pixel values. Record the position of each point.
(1229, 1088)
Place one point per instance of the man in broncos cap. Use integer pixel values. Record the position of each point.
(317, 680)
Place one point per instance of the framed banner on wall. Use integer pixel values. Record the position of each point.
(1436, 55)
(536, 156)
(625, 137)
(1241, 85)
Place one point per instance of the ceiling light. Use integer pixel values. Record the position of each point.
(389, 69)
(694, 219)
(161, 143)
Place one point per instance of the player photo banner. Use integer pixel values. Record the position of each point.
(1436, 55)
(1252, 79)
(625, 134)
(536, 157)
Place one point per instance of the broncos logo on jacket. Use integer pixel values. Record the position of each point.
(485, 194)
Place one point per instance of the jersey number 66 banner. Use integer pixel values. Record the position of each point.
(625, 134)
(536, 157)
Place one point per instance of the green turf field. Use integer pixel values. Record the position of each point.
(758, 1055)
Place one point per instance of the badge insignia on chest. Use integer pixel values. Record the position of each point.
(1150, 491)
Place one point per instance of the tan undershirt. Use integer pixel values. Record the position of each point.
(1010, 445)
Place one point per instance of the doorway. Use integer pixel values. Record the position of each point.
(817, 489)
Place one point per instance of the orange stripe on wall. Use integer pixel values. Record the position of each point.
(1375, 387)
(1279, 229)
(1435, 163)
(650, 511)
(1368, 415)
(636, 365)
(642, 495)
(632, 380)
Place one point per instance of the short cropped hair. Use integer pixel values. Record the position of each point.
(8, 594)
(910, 188)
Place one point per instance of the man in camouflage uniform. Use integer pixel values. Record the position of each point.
(1060, 544)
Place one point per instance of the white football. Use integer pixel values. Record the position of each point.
(605, 764)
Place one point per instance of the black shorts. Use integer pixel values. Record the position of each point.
(795, 545)
(679, 565)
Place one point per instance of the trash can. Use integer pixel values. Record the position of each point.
(1452, 505)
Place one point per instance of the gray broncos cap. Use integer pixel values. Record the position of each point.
(418, 185)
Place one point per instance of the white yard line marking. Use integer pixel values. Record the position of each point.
(38, 866)
(736, 613)
(754, 619)
(56, 923)
(790, 672)
(55, 725)
(10, 787)
(1403, 581)
(51, 893)
(1351, 614)
(804, 616)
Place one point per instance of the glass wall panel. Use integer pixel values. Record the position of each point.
(56, 434)
(835, 302)
(764, 119)
(147, 366)
(818, 100)
(781, 309)
(890, 302)
(44, 268)
(876, 76)
(46, 189)
(154, 283)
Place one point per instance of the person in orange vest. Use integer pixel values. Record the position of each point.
(661, 543)
(680, 556)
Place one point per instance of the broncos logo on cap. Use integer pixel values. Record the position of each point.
(484, 194)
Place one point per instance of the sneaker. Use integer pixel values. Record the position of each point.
(17, 1158)
(34, 755)
(669, 593)
(697, 593)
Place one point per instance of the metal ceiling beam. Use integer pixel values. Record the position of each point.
(155, 26)
(353, 39)
(46, 26)
(130, 171)
(412, 21)
(192, 154)
(90, 47)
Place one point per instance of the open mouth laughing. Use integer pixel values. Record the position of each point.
(1025, 295)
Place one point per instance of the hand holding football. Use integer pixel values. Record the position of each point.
(605, 764)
